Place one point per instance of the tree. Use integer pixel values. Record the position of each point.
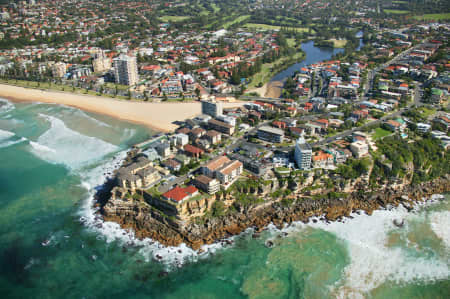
(197, 93)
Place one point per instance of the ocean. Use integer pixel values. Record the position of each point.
(54, 245)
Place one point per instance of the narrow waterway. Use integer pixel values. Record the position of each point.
(313, 55)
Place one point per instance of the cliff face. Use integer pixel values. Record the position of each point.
(148, 222)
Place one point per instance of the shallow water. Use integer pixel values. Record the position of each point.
(52, 157)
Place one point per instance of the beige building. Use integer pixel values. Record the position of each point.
(59, 69)
(223, 169)
(207, 184)
(126, 70)
(101, 62)
(359, 148)
(138, 175)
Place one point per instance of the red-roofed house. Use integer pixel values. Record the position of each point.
(193, 151)
(179, 194)
(279, 124)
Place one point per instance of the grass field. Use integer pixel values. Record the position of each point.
(435, 16)
(273, 27)
(380, 133)
(173, 18)
(266, 74)
(237, 20)
(396, 11)
(338, 43)
(426, 112)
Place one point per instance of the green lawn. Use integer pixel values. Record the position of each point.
(338, 43)
(396, 11)
(173, 18)
(266, 74)
(282, 169)
(237, 20)
(274, 27)
(426, 112)
(119, 86)
(435, 16)
(380, 133)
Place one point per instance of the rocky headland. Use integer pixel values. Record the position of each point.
(140, 214)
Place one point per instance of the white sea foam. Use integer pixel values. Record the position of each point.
(41, 148)
(440, 224)
(372, 262)
(12, 142)
(6, 106)
(4, 135)
(61, 145)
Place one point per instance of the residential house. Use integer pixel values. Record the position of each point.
(213, 136)
(172, 164)
(193, 151)
(179, 194)
(359, 149)
(322, 159)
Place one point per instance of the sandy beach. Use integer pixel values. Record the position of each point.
(158, 116)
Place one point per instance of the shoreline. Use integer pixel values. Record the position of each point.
(148, 223)
(156, 116)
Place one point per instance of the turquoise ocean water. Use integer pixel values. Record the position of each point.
(51, 159)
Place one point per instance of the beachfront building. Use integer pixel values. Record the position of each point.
(126, 70)
(213, 108)
(138, 175)
(271, 134)
(302, 154)
(101, 62)
(59, 69)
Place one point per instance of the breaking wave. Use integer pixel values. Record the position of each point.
(373, 261)
(6, 106)
(61, 145)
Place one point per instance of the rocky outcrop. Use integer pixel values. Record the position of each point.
(148, 222)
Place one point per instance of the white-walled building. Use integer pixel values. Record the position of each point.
(303, 153)
(126, 70)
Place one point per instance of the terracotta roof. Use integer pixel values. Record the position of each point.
(212, 133)
(203, 179)
(193, 149)
(228, 169)
(216, 163)
(178, 193)
(319, 156)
